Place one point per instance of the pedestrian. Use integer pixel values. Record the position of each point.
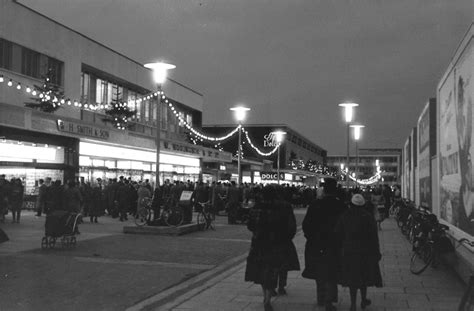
(269, 224)
(321, 250)
(144, 195)
(16, 199)
(41, 199)
(73, 198)
(290, 257)
(95, 203)
(4, 193)
(233, 201)
(55, 197)
(123, 198)
(359, 243)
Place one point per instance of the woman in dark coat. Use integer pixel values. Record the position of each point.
(95, 203)
(16, 198)
(270, 224)
(321, 251)
(358, 237)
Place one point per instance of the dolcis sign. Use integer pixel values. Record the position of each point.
(271, 176)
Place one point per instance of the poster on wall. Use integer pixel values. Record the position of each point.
(424, 159)
(456, 142)
(406, 169)
(413, 166)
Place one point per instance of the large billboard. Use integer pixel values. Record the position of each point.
(424, 155)
(456, 142)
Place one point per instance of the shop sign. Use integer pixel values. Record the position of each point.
(271, 176)
(205, 153)
(270, 140)
(81, 129)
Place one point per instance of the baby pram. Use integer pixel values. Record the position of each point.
(62, 226)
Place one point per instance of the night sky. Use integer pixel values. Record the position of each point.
(290, 61)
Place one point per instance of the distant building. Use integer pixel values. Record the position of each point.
(296, 151)
(364, 166)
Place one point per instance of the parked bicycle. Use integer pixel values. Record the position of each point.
(172, 214)
(428, 245)
(144, 212)
(206, 216)
(467, 300)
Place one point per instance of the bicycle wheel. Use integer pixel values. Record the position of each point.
(141, 217)
(174, 217)
(421, 258)
(201, 221)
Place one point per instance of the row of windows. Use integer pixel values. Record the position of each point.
(20, 59)
(99, 91)
(305, 145)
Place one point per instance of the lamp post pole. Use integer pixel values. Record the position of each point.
(239, 156)
(239, 113)
(158, 138)
(279, 138)
(347, 156)
(357, 130)
(160, 71)
(278, 164)
(348, 112)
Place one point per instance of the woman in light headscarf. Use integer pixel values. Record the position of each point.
(359, 242)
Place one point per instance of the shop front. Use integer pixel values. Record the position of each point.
(98, 160)
(31, 156)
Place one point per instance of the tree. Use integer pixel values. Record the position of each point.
(118, 113)
(49, 96)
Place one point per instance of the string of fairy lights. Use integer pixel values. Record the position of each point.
(64, 101)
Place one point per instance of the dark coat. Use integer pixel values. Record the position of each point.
(359, 243)
(273, 225)
(321, 251)
(95, 208)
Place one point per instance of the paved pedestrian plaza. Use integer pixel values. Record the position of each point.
(134, 272)
(435, 289)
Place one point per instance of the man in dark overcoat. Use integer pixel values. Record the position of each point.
(321, 251)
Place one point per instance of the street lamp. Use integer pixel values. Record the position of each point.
(348, 113)
(279, 135)
(239, 113)
(160, 71)
(357, 129)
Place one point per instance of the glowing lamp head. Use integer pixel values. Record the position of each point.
(279, 135)
(160, 71)
(348, 110)
(240, 113)
(357, 131)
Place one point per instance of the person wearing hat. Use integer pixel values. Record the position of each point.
(358, 239)
(321, 251)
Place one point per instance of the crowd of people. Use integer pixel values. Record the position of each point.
(342, 245)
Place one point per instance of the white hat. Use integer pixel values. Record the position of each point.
(358, 200)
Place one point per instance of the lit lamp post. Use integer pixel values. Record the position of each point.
(279, 135)
(160, 71)
(356, 138)
(239, 113)
(348, 113)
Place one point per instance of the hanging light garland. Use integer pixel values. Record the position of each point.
(369, 181)
(118, 105)
(265, 154)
